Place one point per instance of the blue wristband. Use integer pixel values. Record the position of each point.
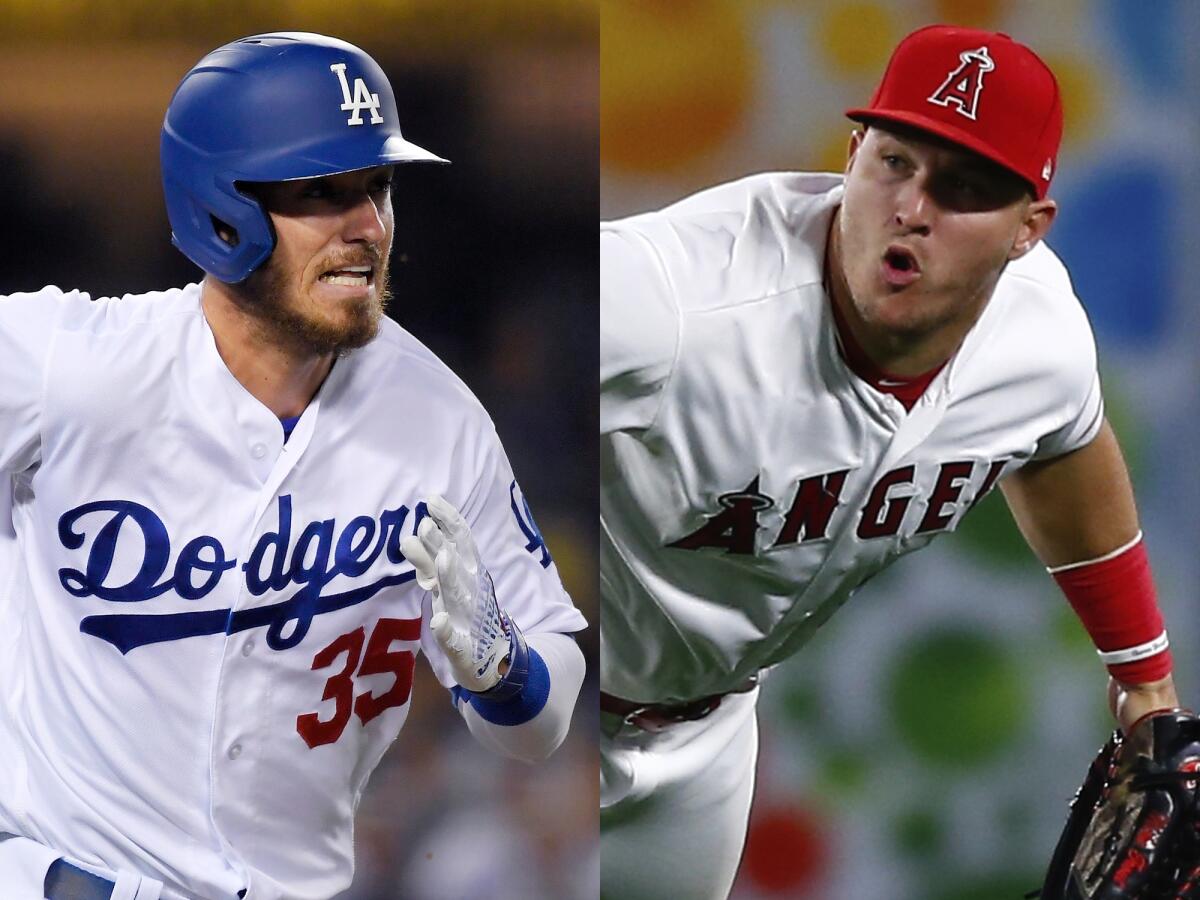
(513, 681)
(521, 708)
(521, 693)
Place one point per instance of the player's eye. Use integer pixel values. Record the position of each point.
(966, 191)
(316, 191)
(382, 186)
(893, 161)
(964, 186)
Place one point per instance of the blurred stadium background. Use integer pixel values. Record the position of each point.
(924, 746)
(494, 268)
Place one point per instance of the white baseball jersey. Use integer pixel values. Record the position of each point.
(749, 480)
(212, 632)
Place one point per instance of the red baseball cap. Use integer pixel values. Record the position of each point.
(979, 89)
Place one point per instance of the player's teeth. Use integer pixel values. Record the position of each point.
(349, 280)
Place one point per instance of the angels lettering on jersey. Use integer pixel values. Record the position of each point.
(816, 500)
(301, 561)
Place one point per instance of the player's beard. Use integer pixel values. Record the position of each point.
(269, 297)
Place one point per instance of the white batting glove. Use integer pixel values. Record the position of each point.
(474, 633)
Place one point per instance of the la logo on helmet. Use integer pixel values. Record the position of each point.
(363, 98)
(963, 86)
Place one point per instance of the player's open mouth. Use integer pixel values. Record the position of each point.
(900, 266)
(350, 276)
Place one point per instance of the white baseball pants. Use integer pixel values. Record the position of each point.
(674, 804)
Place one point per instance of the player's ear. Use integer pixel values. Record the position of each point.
(1035, 222)
(856, 139)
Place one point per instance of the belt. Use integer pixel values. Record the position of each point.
(659, 716)
(67, 882)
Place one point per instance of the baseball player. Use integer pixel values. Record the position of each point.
(804, 377)
(240, 511)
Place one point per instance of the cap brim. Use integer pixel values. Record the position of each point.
(940, 129)
(398, 150)
(327, 157)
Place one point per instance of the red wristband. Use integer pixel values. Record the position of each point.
(1114, 598)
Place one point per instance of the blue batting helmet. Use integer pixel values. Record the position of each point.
(271, 107)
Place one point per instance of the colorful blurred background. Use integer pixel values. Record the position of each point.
(494, 268)
(924, 746)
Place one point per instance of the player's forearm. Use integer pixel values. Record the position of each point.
(1075, 507)
(500, 727)
(1078, 513)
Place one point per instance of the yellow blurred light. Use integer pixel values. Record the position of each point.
(858, 38)
(970, 13)
(1082, 86)
(832, 151)
(442, 23)
(675, 80)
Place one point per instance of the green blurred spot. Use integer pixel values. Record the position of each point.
(1069, 633)
(801, 704)
(996, 886)
(957, 698)
(919, 834)
(843, 771)
(989, 532)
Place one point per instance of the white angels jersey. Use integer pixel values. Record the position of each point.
(749, 480)
(209, 633)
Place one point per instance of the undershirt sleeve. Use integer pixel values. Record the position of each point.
(533, 739)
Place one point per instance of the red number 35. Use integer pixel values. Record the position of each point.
(379, 659)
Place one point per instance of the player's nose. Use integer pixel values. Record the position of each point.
(914, 207)
(365, 219)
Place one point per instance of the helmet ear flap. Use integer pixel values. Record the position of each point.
(252, 226)
(204, 215)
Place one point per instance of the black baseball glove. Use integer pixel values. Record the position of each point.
(1134, 828)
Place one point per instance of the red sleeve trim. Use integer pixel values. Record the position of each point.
(1114, 598)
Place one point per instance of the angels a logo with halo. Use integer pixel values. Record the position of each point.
(963, 86)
